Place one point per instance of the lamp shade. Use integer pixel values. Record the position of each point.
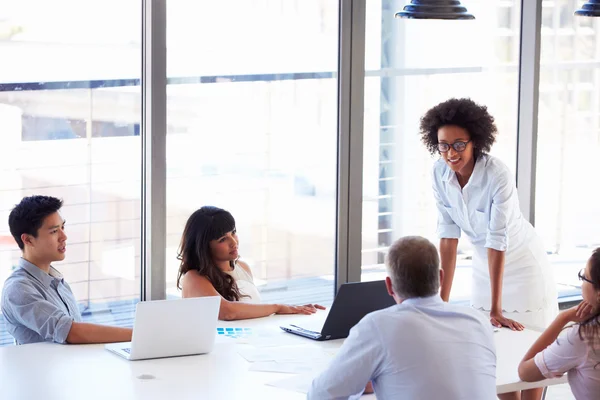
(589, 9)
(434, 9)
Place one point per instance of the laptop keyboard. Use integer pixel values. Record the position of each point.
(309, 331)
(127, 350)
(306, 330)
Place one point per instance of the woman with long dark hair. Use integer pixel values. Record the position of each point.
(577, 353)
(210, 266)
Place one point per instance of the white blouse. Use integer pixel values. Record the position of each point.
(487, 210)
(245, 284)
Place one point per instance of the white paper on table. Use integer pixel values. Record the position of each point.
(263, 338)
(296, 383)
(269, 339)
(276, 340)
(283, 367)
(285, 353)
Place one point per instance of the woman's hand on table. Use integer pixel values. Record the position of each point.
(499, 320)
(306, 309)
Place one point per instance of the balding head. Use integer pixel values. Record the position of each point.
(413, 266)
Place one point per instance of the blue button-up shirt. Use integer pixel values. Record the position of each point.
(420, 349)
(37, 306)
(487, 209)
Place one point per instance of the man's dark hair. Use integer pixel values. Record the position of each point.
(413, 265)
(464, 113)
(28, 216)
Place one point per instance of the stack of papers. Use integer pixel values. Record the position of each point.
(278, 352)
(305, 362)
(257, 337)
(305, 353)
(296, 383)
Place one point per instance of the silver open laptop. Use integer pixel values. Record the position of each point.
(169, 328)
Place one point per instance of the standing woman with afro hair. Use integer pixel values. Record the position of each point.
(475, 194)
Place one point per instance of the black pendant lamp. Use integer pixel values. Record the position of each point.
(589, 9)
(435, 9)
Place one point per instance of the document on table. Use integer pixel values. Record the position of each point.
(286, 354)
(296, 383)
(301, 383)
(278, 339)
(283, 367)
(257, 337)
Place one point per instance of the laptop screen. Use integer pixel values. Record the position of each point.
(352, 303)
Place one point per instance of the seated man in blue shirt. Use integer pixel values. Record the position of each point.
(38, 305)
(421, 348)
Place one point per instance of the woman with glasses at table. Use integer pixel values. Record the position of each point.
(577, 353)
(475, 194)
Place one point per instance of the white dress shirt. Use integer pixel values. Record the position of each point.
(423, 348)
(487, 211)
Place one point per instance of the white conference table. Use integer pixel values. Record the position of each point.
(69, 372)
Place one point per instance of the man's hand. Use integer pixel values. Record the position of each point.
(369, 388)
(499, 320)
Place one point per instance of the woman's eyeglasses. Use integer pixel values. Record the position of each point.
(457, 146)
(582, 277)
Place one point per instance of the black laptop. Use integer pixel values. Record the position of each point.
(352, 303)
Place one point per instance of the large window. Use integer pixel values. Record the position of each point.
(411, 65)
(252, 127)
(567, 212)
(70, 126)
(252, 122)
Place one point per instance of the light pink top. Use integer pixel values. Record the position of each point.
(574, 356)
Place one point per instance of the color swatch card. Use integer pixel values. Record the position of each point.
(234, 333)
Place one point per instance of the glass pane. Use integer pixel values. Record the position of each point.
(547, 17)
(565, 8)
(70, 118)
(505, 17)
(408, 72)
(252, 128)
(567, 213)
(565, 48)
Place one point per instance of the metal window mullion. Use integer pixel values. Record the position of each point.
(351, 83)
(154, 131)
(529, 79)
